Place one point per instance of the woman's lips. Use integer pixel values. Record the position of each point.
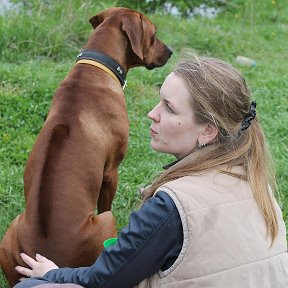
(152, 132)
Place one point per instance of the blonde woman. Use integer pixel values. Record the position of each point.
(210, 219)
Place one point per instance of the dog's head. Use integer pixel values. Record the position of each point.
(147, 50)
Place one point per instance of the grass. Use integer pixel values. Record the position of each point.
(38, 47)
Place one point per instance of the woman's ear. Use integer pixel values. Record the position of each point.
(208, 135)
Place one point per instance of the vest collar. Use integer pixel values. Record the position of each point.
(198, 152)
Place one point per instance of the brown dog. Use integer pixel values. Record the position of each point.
(73, 165)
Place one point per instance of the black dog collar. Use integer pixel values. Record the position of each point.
(105, 60)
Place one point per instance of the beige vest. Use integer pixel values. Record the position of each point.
(225, 237)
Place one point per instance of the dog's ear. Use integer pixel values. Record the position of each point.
(96, 20)
(133, 28)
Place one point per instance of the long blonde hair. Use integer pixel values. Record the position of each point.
(220, 96)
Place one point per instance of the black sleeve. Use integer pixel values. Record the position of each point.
(152, 241)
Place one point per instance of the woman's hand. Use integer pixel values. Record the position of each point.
(39, 267)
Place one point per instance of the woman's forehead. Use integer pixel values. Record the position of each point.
(174, 89)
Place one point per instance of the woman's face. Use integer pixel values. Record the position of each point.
(173, 129)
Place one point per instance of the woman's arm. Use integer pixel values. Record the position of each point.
(152, 241)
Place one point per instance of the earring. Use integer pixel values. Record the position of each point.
(201, 145)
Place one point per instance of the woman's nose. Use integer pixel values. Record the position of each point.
(154, 115)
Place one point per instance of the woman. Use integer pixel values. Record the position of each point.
(210, 220)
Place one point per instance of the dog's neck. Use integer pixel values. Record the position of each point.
(110, 46)
(104, 62)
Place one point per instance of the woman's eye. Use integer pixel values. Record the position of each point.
(169, 109)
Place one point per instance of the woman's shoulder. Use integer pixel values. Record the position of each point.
(210, 188)
(215, 176)
(161, 200)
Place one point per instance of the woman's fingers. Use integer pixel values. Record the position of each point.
(24, 271)
(28, 260)
(22, 279)
(38, 267)
(41, 258)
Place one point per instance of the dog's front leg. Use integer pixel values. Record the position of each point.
(107, 192)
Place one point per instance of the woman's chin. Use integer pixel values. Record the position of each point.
(154, 146)
(158, 148)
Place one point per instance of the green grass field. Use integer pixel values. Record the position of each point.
(38, 47)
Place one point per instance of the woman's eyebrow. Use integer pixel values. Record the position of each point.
(169, 103)
(165, 99)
